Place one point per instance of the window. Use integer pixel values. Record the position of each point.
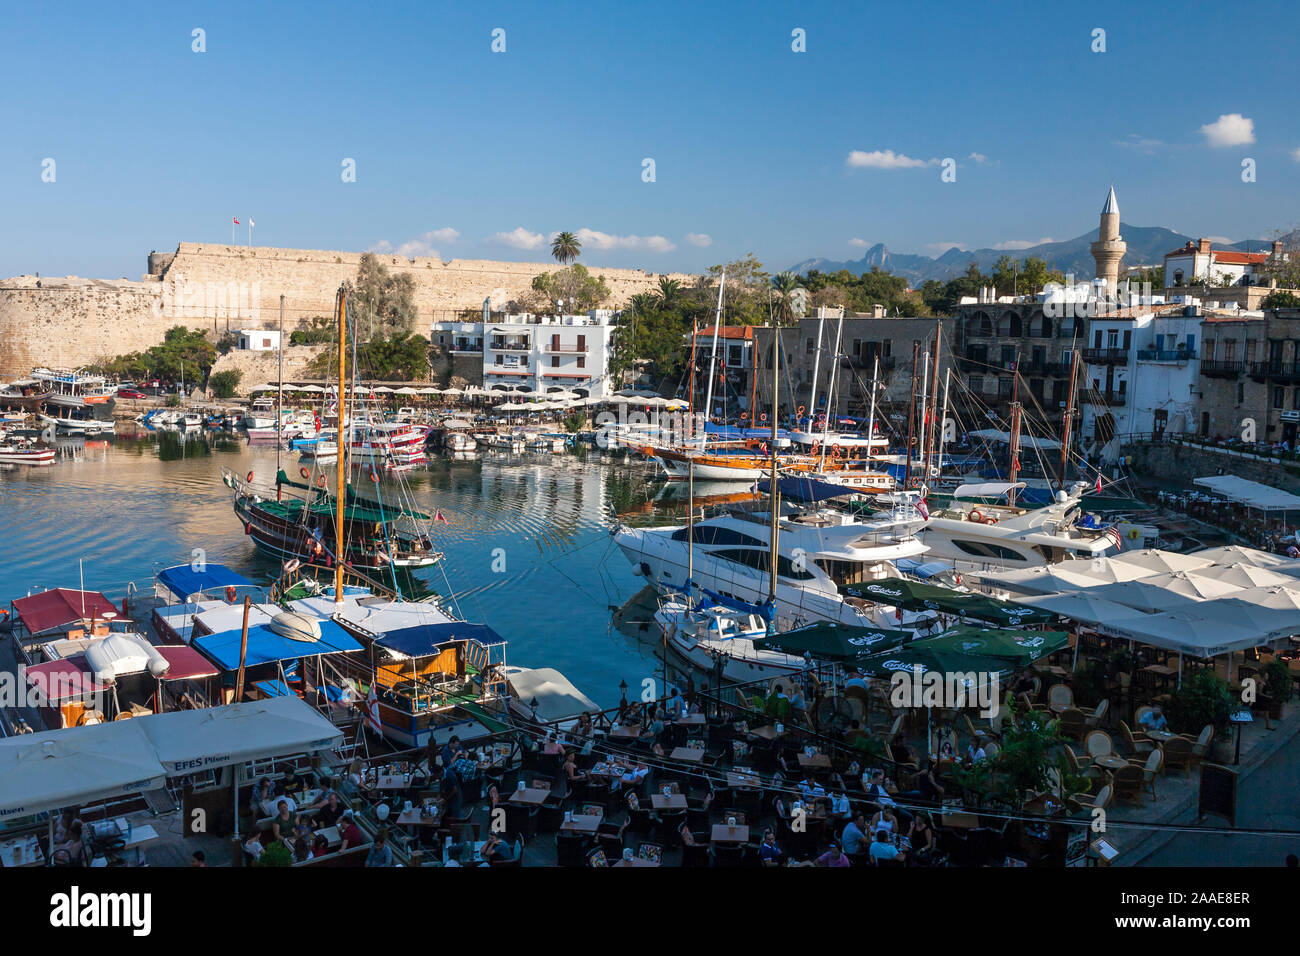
(1004, 388)
(857, 347)
(1096, 339)
(1079, 331)
(555, 361)
(1128, 339)
(500, 360)
(582, 343)
(1230, 350)
(582, 361)
(887, 348)
(1178, 277)
(1279, 396)
(1250, 350)
(1112, 338)
(808, 346)
(1008, 355)
(982, 549)
(712, 534)
(977, 385)
(266, 343)
(760, 560)
(1210, 346)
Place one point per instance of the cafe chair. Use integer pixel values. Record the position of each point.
(697, 853)
(1139, 747)
(1097, 716)
(609, 836)
(1154, 761)
(597, 858)
(1178, 755)
(1098, 802)
(728, 855)
(1127, 782)
(1060, 697)
(522, 820)
(570, 850)
(1074, 724)
(1098, 744)
(515, 862)
(650, 851)
(1141, 712)
(1201, 746)
(638, 817)
(593, 809)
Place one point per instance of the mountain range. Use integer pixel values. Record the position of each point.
(1147, 245)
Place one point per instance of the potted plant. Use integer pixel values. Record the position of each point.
(1277, 688)
(1204, 699)
(277, 854)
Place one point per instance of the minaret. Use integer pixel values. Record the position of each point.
(1109, 248)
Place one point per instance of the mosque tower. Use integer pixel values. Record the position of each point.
(1109, 248)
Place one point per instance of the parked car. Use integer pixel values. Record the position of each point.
(130, 393)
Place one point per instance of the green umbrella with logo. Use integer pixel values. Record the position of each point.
(916, 596)
(1018, 648)
(834, 642)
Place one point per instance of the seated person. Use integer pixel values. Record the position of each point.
(833, 856)
(320, 845)
(72, 851)
(882, 848)
(921, 836)
(873, 784)
(285, 822)
(262, 800)
(811, 789)
(553, 745)
(380, 853)
(975, 752)
(350, 832)
(778, 704)
(632, 777)
(497, 850)
(927, 786)
(330, 811)
(1154, 719)
(451, 752)
(854, 836)
(885, 822)
(675, 706)
(840, 809)
(769, 854)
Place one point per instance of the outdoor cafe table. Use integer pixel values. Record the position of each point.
(766, 732)
(725, 834)
(24, 851)
(815, 761)
(393, 781)
(1161, 736)
(636, 861)
(413, 817)
(626, 731)
(528, 797)
(742, 780)
(691, 720)
(332, 836)
(586, 823)
(1110, 761)
(688, 754)
(668, 801)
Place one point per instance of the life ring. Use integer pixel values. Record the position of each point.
(815, 446)
(989, 519)
(250, 477)
(248, 527)
(762, 416)
(320, 482)
(835, 451)
(1134, 534)
(304, 472)
(801, 411)
(976, 515)
(230, 594)
(292, 565)
(374, 476)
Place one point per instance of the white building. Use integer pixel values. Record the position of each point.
(1198, 263)
(1140, 372)
(542, 352)
(259, 340)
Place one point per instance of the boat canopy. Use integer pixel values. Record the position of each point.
(421, 639)
(265, 646)
(731, 433)
(988, 489)
(809, 490)
(556, 697)
(185, 580)
(830, 641)
(73, 677)
(51, 610)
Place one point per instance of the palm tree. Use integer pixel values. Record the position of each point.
(643, 303)
(565, 247)
(784, 284)
(670, 290)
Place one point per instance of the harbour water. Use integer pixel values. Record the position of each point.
(526, 543)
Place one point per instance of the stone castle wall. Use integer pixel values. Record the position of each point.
(72, 321)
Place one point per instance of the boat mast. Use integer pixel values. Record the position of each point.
(817, 360)
(341, 497)
(921, 437)
(871, 415)
(279, 398)
(911, 417)
(1069, 416)
(934, 402)
(830, 391)
(713, 358)
(690, 411)
(690, 529)
(943, 415)
(1014, 465)
(775, 489)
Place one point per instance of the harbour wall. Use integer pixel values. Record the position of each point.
(1177, 461)
(71, 321)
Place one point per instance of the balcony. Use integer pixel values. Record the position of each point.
(1283, 373)
(1222, 369)
(511, 345)
(566, 349)
(869, 362)
(466, 346)
(1109, 397)
(1106, 356)
(1044, 368)
(1166, 355)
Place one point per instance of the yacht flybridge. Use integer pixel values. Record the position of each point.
(983, 537)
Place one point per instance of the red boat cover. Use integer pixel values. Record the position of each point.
(185, 662)
(64, 679)
(61, 607)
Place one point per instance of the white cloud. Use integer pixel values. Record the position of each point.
(592, 239)
(860, 243)
(885, 159)
(421, 245)
(942, 247)
(1230, 129)
(1295, 154)
(699, 239)
(519, 238)
(1014, 244)
(1143, 144)
(979, 158)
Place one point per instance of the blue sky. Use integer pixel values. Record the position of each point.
(477, 154)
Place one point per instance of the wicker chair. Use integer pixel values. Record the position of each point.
(1127, 782)
(1139, 747)
(1097, 716)
(1201, 746)
(1178, 755)
(1098, 802)
(1098, 744)
(1060, 697)
(1074, 724)
(1155, 760)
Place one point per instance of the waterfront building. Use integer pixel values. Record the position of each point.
(1250, 375)
(538, 352)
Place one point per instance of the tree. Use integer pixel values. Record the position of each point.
(575, 286)
(784, 284)
(382, 302)
(670, 292)
(1281, 299)
(402, 357)
(565, 247)
(223, 384)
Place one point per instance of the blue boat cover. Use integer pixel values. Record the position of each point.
(732, 433)
(421, 639)
(274, 688)
(765, 611)
(183, 580)
(267, 647)
(806, 489)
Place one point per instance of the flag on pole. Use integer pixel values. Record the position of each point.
(372, 711)
(251, 224)
(925, 512)
(234, 220)
(1097, 487)
(438, 516)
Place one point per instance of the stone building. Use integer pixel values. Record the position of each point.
(1250, 376)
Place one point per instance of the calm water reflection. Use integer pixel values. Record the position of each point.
(131, 506)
